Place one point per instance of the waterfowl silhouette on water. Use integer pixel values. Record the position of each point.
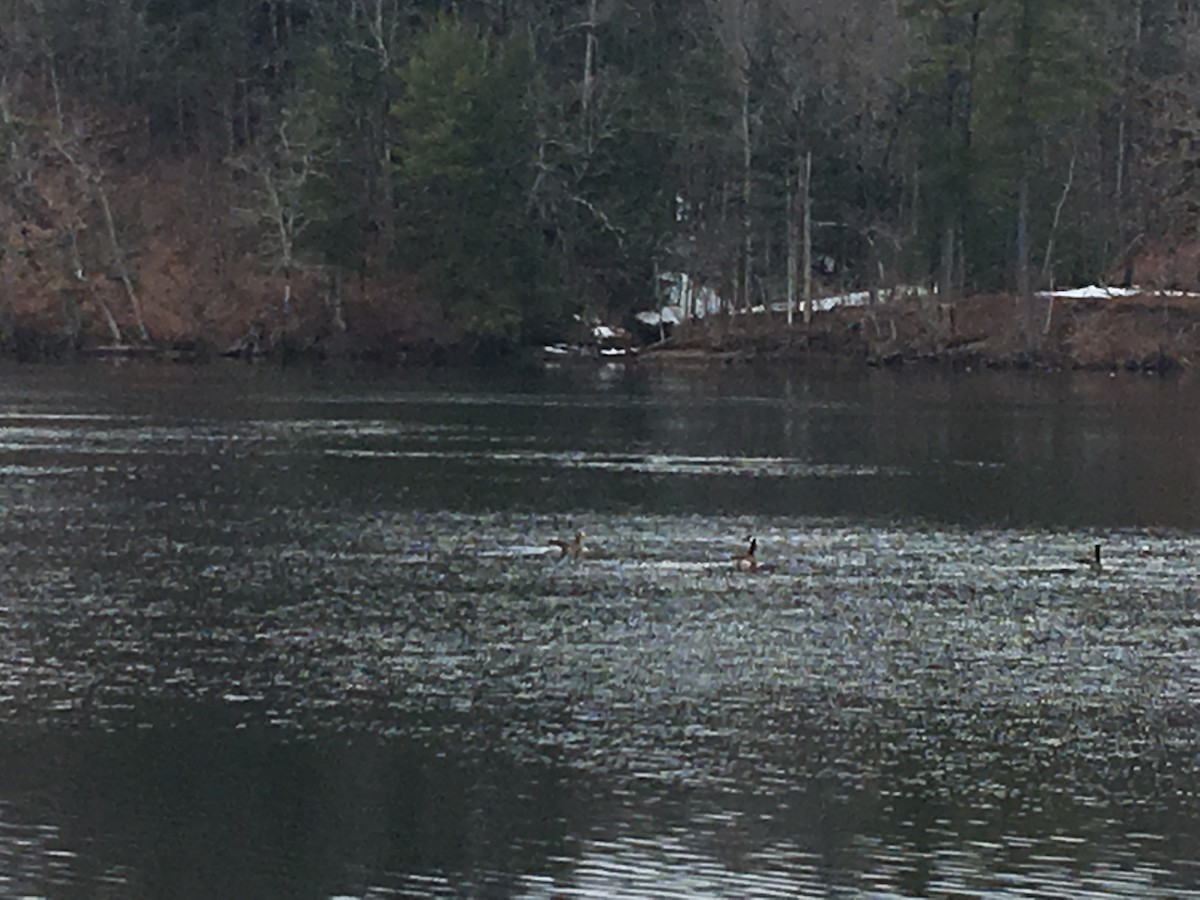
(747, 561)
(572, 548)
(1092, 561)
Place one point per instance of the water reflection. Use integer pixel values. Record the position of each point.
(280, 635)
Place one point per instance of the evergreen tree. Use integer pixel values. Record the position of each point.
(945, 85)
(465, 169)
(999, 85)
(622, 122)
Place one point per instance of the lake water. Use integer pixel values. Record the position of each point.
(298, 634)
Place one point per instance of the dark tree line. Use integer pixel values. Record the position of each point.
(526, 159)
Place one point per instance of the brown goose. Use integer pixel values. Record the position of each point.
(572, 548)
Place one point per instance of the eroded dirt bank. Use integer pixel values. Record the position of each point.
(1144, 332)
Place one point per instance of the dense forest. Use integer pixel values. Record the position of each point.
(490, 170)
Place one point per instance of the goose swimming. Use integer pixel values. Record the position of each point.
(747, 562)
(572, 548)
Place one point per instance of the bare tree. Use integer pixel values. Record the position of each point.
(840, 65)
(738, 26)
(32, 145)
(280, 171)
(92, 181)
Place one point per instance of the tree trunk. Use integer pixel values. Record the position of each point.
(589, 60)
(386, 203)
(1048, 262)
(58, 111)
(914, 223)
(228, 120)
(119, 259)
(1023, 287)
(792, 250)
(1119, 186)
(283, 220)
(1025, 137)
(113, 329)
(946, 276)
(808, 310)
(747, 188)
(94, 183)
(339, 310)
(1022, 298)
(179, 109)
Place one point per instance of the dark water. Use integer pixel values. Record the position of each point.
(267, 634)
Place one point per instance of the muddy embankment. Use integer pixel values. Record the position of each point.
(1144, 332)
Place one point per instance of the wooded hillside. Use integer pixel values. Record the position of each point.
(375, 171)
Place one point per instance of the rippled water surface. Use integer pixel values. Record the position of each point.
(295, 634)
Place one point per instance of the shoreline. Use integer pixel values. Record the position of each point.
(1150, 333)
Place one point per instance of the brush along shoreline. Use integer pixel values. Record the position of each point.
(1091, 329)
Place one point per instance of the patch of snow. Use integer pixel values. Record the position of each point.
(689, 300)
(1093, 292)
(857, 298)
(824, 304)
(603, 332)
(668, 315)
(1101, 292)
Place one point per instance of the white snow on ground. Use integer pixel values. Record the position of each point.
(1092, 292)
(824, 304)
(687, 298)
(668, 315)
(1101, 292)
